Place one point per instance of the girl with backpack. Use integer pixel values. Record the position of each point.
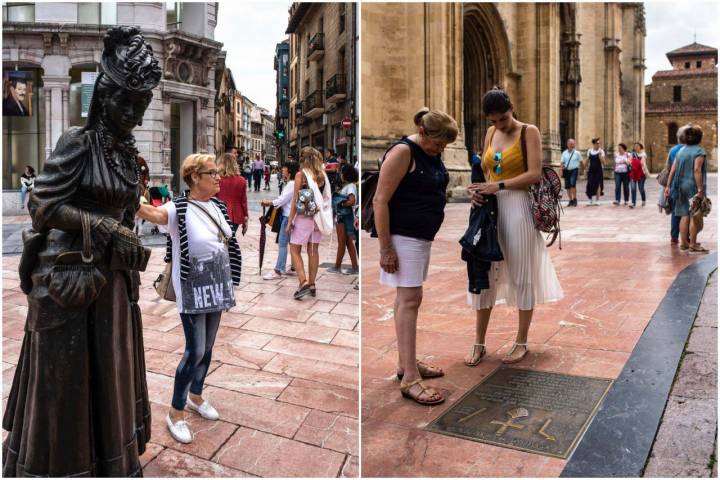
(527, 276)
(310, 218)
(638, 173)
(409, 208)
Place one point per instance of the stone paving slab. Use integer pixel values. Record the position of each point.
(687, 437)
(615, 266)
(284, 375)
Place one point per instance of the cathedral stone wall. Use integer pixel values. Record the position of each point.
(561, 64)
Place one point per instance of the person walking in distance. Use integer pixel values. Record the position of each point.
(675, 219)
(638, 173)
(622, 166)
(258, 169)
(570, 164)
(289, 170)
(595, 164)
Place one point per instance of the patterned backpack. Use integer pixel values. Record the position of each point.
(545, 198)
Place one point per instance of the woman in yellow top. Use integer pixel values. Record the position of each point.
(526, 277)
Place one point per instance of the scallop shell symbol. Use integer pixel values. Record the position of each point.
(518, 413)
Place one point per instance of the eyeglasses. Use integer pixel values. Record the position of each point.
(498, 158)
(212, 173)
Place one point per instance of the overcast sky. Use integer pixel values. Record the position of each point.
(250, 31)
(671, 25)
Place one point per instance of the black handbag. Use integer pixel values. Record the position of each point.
(74, 280)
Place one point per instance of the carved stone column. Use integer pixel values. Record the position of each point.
(548, 78)
(48, 122)
(443, 24)
(612, 108)
(66, 108)
(56, 90)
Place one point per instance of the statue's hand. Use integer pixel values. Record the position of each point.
(128, 247)
(103, 231)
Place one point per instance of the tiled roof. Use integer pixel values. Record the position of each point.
(686, 73)
(692, 48)
(705, 107)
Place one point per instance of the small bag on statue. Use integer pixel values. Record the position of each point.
(74, 280)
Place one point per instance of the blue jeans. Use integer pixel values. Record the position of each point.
(622, 179)
(634, 187)
(282, 247)
(674, 223)
(23, 194)
(200, 331)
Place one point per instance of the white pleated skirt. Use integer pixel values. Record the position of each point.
(526, 277)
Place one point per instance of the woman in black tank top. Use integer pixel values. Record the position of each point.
(409, 208)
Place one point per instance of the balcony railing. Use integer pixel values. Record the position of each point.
(313, 106)
(316, 47)
(335, 88)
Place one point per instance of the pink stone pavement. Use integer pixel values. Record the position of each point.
(284, 375)
(615, 266)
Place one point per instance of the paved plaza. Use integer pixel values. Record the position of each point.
(615, 267)
(284, 374)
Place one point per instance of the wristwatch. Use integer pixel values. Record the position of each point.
(501, 185)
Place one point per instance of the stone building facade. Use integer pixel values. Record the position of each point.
(58, 42)
(322, 76)
(573, 69)
(281, 65)
(269, 153)
(687, 93)
(225, 106)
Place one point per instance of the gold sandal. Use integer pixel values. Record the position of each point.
(475, 362)
(427, 391)
(508, 359)
(426, 371)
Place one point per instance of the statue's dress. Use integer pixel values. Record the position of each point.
(79, 403)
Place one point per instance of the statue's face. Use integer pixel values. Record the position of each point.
(123, 110)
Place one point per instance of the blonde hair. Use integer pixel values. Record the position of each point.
(193, 164)
(311, 159)
(227, 166)
(436, 125)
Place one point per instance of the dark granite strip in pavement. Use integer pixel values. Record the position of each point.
(618, 441)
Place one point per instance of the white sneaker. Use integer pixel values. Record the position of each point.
(179, 430)
(272, 275)
(205, 410)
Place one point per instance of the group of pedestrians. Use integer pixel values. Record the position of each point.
(629, 168)
(685, 190)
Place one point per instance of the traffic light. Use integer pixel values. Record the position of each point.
(280, 134)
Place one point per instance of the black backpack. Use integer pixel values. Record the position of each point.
(368, 186)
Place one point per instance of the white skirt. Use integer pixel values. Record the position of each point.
(413, 262)
(526, 277)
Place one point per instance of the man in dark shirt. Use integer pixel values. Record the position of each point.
(13, 105)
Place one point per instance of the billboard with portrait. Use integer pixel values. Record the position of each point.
(17, 94)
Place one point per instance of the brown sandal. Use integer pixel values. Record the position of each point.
(428, 392)
(426, 371)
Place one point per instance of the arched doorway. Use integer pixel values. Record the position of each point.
(486, 59)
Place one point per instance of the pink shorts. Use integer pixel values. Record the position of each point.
(305, 231)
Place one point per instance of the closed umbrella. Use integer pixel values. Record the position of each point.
(263, 238)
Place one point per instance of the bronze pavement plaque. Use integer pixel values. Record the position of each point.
(527, 410)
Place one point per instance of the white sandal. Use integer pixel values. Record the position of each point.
(472, 355)
(508, 360)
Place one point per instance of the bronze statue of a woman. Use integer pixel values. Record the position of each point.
(79, 403)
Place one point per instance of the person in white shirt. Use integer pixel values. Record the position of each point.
(289, 169)
(345, 219)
